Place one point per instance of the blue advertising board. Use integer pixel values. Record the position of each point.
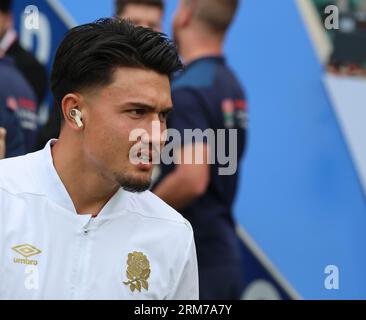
(42, 40)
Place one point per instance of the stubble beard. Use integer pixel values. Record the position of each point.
(133, 184)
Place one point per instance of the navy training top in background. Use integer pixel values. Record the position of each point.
(14, 141)
(17, 95)
(208, 95)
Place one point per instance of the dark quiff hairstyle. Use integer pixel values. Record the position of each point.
(90, 53)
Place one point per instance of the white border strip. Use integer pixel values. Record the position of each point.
(263, 259)
(322, 44)
(62, 12)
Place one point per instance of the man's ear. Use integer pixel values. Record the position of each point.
(71, 103)
(187, 12)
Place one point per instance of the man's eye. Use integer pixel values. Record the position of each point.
(138, 112)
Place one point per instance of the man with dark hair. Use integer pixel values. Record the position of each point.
(207, 96)
(76, 221)
(146, 13)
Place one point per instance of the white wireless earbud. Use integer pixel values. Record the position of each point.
(76, 115)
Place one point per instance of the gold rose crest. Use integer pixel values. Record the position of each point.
(138, 271)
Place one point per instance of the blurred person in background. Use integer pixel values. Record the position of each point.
(17, 109)
(206, 95)
(145, 13)
(24, 91)
(33, 71)
(11, 136)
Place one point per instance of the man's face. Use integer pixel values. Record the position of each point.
(134, 100)
(144, 15)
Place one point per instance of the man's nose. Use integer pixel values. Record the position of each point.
(154, 134)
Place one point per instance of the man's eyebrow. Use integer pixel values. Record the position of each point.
(149, 107)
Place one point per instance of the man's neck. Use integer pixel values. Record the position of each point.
(196, 47)
(88, 189)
